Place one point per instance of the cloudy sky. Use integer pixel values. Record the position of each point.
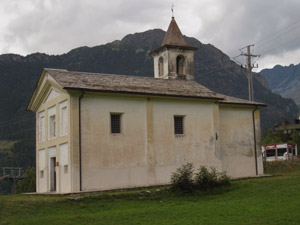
(57, 26)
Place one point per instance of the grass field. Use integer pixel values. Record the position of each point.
(267, 200)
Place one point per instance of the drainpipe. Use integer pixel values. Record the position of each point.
(79, 120)
(254, 133)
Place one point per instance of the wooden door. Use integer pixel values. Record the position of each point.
(53, 174)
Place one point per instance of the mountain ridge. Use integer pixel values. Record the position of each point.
(130, 56)
(284, 80)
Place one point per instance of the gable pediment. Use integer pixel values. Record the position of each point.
(52, 94)
(46, 90)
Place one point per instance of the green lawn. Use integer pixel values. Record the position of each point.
(268, 200)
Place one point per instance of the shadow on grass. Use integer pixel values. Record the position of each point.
(154, 194)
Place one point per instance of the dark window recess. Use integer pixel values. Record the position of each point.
(115, 121)
(180, 65)
(271, 152)
(178, 124)
(281, 151)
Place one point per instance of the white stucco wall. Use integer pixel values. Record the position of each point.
(64, 168)
(196, 146)
(147, 151)
(52, 103)
(237, 142)
(113, 160)
(42, 171)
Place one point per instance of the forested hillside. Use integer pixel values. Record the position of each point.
(130, 56)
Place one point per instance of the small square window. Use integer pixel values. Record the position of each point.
(178, 124)
(115, 123)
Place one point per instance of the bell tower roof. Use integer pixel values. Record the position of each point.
(174, 36)
(174, 59)
(173, 39)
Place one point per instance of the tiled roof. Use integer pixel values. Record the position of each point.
(173, 39)
(138, 85)
(174, 35)
(233, 100)
(130, 84)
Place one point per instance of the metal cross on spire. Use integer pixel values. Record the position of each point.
(172, 9)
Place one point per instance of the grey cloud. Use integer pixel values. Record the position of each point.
(56, 27)
(248, 22)
(61, 26)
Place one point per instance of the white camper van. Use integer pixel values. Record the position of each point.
(279, 152)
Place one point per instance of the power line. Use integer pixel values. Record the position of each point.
(222, 67)
(276, 37)
(238, 62)
(281, 45)
(16, 120)
(14, 133)
(215, 63)
(267, 40)
(272, 35)
(16, 123)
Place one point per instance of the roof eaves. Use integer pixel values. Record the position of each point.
(243, 103)
(143, 94)
(34, 93)
(172, 47)
(39, 83)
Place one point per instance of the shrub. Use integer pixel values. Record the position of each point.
(210, 178)
(184, 179)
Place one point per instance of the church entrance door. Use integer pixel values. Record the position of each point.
(53, 174)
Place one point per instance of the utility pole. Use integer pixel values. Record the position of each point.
(249, 67)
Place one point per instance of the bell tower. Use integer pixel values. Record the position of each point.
(175, 58)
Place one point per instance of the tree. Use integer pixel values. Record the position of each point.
(27, 184)
(295, 137)
(271, 137)
(23, 153)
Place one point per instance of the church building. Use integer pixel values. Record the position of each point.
(99, 131)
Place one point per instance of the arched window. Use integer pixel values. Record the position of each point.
(180, 65)
(161, 66)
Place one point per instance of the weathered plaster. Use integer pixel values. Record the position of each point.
(147, 151)
(237, 141)
(169, 56)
